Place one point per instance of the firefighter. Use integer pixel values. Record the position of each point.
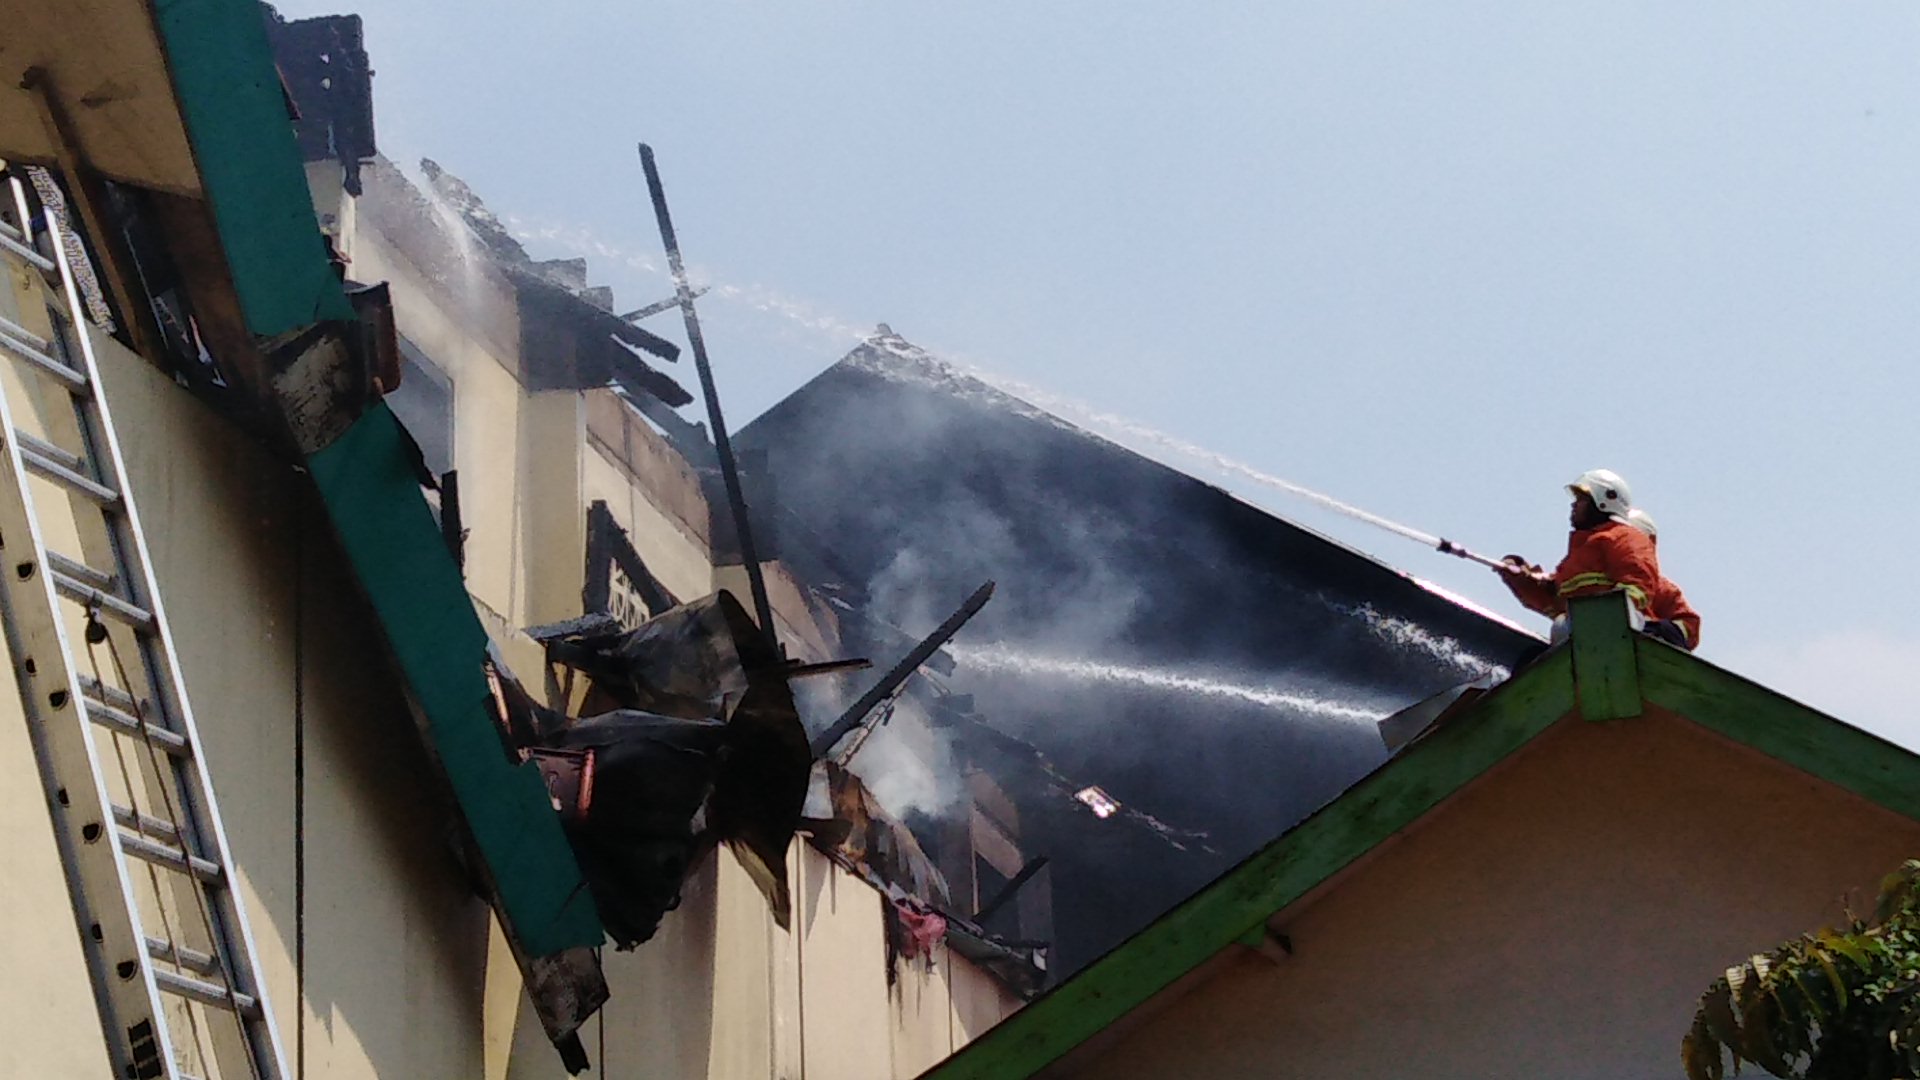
(1604, 552)
(1674, 620)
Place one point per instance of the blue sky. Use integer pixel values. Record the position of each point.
(1434, 260)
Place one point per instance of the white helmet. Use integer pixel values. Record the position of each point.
(1643, 521)
(1608, 490)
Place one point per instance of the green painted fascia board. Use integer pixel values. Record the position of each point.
(1605, 679)
(368, 484)
(1780, 727)
(1386, 801)
(235, 111)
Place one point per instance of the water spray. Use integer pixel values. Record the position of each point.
(1001, 657)
(805, 316)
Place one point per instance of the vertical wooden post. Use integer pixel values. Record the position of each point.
(1606, 669)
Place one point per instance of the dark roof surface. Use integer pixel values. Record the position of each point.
(1197, 657)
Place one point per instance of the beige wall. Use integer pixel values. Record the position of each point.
(1560, 917)
(663, 540)
(496, 425)
(394, 939)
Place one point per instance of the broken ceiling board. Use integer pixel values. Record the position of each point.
(105, 59)
(237, 120)
(389, 535)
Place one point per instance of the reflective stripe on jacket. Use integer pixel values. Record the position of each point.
(1607, 557)
(1670, 605)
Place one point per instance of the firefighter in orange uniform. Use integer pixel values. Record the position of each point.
(1604, 552)
(1674, 620)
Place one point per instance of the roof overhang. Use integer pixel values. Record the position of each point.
(181, 97)
(104, 60)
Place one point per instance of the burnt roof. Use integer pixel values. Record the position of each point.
(1245, 655)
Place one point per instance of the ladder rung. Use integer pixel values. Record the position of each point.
(82, 593)
(80, 571)
(193, 960)
(45, 459)
(145, 823)
(10, 239)
(171, 857)
(108, 695)
(24, 336)
(11, 340)
(51, 452)
(207, 993)
(126, 723)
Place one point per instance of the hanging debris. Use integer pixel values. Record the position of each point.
(689, 738)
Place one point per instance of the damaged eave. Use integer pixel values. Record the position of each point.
(373, 496)
(864, 839)
(566, 343)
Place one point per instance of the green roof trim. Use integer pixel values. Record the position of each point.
(235, 112)
(1386, 801)
(1609, 671)
(1606, 676)
(389, 534)
(1781, 728)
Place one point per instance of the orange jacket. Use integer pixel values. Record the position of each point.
(1606, 557)
(1670, 605)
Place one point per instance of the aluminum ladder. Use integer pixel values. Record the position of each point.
(142, 847)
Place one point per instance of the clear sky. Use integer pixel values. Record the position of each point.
(1434, 260)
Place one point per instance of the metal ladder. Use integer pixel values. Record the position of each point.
(140, 838)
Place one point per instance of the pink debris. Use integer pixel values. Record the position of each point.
(924, 929)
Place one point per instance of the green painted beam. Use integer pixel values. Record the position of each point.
(1780, 727)
(1380, 805)
(390, 537)
(235, 112)
(1605, 677)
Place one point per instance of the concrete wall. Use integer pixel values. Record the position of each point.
(1558, 918)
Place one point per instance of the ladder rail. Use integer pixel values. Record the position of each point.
(68, 712)
(131, 1010)
(234, 943)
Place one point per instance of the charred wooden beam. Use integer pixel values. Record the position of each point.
(1007, 891)
(723, 447)
(908, 664)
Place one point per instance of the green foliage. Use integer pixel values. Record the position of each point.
(1836, 1005)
